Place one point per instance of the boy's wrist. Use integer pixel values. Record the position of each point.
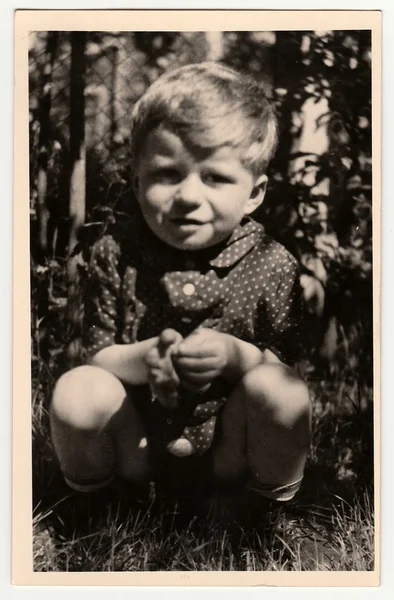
(233, 368)
(241, 358)
(126, 361)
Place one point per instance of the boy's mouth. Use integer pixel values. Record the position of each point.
(186, 222)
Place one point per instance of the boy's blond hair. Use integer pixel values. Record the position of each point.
(210, 105)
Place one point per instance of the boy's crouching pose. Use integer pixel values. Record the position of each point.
(193, 317)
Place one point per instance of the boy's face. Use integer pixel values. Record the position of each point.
(192, 201)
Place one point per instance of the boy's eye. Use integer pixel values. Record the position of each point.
(216, 178)
(166, 175)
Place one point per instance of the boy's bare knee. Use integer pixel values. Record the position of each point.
(277, 390)
(86, 397)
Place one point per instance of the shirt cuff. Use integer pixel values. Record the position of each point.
(100, 340)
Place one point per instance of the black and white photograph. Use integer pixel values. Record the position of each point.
(201, 300)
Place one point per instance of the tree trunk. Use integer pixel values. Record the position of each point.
(77, 190)
(44, 243)
(45, 240)
(77, 137)
(114, 54)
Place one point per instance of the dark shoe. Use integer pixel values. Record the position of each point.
(83, 512)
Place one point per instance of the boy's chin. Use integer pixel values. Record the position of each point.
(200, 238)
(191, 244)
(205, 237)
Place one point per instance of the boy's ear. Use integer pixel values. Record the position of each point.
(257, 194)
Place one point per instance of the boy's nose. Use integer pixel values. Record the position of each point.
(189, 190)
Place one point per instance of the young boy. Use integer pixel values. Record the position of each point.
(193, 317)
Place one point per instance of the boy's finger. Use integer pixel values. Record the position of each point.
(155, 375)
(195, 351)
(198, 365)
(167, 338)
(152, 360)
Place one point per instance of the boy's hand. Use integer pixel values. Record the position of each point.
(162, 376)
(201, 358)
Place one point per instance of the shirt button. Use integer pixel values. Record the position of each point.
(190, 264)
(188, 289)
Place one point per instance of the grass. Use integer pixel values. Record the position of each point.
(330, 527)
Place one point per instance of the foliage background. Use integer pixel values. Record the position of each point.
(319, 205)
(319, 200)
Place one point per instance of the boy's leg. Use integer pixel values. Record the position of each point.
(266, 430)
(96, 430)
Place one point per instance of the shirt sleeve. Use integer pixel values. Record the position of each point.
(280, 314)
(102, 298)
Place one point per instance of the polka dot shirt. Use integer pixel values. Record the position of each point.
(247, 287)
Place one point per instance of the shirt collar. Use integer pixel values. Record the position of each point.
(157, 254)
(242, 240)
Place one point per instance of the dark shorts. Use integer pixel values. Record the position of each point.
(162, 426)
(192, 476)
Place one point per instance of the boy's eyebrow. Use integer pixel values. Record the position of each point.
(224, 163)
(161, 158)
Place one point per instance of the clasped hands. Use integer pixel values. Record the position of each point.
(193, 362)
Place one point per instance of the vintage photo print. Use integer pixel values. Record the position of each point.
(197, 200)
